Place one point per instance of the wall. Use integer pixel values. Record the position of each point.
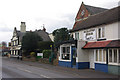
(111, 31)
(114, 69)
(82, 55)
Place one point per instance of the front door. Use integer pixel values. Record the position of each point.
(74, 55)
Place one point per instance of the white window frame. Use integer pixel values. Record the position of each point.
(61, 52)
(101, 32)
(104, 62)
(77, 35)
(113, 63)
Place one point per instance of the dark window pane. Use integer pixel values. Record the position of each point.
(110, 55)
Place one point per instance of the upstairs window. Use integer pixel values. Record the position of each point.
(77, 35)
(101, 32)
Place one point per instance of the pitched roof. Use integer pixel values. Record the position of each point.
(94, 10)
(44, 35)
(105, 17)
(103, 44)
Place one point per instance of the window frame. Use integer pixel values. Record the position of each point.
(118, 57)
(97, 52)
(101, 33)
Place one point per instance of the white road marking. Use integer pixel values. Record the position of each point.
(25, 70)
(44, 76)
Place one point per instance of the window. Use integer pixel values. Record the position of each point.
(100, 55)
(77, 35)
(104, 55)
(114, 55)
(96, 55)
(119, 55)
(101, 32)
(110, 55)
(65, 53)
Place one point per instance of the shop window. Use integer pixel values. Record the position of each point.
(63, 49)
(110, 55)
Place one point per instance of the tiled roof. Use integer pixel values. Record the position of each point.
(94, 10)
(105, 17)
(102, 44)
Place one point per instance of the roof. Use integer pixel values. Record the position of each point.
(94, 10)
(103, 44)
(44, 35)
(105, 17)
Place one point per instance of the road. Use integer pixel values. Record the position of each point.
(12, 68)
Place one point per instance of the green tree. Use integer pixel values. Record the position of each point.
(61, 34)
(30, 42)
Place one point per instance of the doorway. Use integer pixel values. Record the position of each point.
(74, 55)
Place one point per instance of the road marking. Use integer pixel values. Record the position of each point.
(25, 70)
(44, 76)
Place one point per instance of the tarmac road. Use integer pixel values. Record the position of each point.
(14, 69)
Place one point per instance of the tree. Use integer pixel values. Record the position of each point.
(61, 34)
(4, 43)
(30, 42)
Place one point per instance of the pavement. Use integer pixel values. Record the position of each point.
(41, 70)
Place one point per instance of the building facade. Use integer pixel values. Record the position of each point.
(98, 40)
(18, 35)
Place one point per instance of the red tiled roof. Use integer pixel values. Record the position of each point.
(102, 44)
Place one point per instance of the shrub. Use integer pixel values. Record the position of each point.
(32, 54)
(46, 53)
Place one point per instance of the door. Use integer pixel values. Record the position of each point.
(92, 59)
(74, 55)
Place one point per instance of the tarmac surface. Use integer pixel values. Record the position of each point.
(16, 69)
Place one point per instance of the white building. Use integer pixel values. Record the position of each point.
(98, 41)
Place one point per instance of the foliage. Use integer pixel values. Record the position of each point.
(4, 43)
(46, 53)
(61, 34)
(44, 45)
(30, 42)
(32, 54)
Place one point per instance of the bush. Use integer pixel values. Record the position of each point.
(46, 53)
(32, 54)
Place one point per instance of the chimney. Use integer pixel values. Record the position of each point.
(23, 27)
(44, 28)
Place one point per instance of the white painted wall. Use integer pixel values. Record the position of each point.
(82, 55)
(112, 32)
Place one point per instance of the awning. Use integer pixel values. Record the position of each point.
(102, 44)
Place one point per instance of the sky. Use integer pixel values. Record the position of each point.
(54, 14)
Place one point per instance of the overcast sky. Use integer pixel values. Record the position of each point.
(53, 13)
